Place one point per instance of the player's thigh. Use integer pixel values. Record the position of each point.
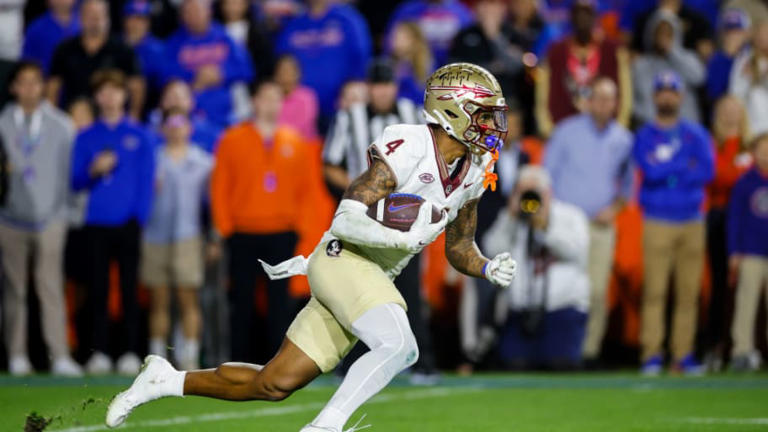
(349, 285)
(319, 336)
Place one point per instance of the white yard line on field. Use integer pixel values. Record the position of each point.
(269, 411)
(755, 421)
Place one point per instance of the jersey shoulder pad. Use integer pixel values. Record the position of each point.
(401, 147)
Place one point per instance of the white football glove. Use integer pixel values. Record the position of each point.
(423, 231)
(501, 270)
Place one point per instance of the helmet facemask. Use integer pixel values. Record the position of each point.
(488, 127)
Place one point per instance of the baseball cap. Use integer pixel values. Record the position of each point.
(667, 80)
(734, 19)
(136, 7)
(381, 71)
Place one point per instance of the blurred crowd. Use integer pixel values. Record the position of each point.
(152, 151)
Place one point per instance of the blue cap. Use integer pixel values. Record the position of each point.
(734, 19)
(136, 7)
(667, 80)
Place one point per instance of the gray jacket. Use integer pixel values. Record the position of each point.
(38, 180)
(685, 62)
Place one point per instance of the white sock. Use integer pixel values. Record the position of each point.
(176, 383)
(190, 353)
(386, 331)
(157, 346)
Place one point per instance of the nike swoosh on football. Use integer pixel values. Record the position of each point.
(466, 185)
(394, 208)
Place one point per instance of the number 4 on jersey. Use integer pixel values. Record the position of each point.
(392, 146)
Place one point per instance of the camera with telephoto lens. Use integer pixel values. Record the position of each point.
(530, 203)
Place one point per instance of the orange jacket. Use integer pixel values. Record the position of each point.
(729, 166)
(259, 189)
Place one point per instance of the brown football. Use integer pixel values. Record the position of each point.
(399, 211)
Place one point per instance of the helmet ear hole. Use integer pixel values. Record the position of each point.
(451, 114)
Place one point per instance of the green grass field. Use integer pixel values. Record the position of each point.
(511, 402)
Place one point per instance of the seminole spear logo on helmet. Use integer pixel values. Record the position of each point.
(478, 91)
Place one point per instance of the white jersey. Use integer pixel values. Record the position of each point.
(411, 153)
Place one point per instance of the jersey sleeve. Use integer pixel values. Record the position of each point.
(401, 149)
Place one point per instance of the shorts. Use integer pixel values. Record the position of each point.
(344, 286)
(178, 264)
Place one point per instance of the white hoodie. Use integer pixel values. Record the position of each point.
(567, 238)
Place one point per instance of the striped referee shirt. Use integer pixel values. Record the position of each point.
(357, 127)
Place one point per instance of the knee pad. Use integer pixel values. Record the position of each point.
(385, 329)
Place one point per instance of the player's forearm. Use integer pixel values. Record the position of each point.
(466, 258)
(352, 224)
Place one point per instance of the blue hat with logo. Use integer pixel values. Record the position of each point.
(734, 19)
(667, 80)
(136, 8)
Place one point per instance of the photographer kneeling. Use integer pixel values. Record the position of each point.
(549, 298)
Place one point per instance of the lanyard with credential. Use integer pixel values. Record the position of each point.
(269, 183)
(27, 144)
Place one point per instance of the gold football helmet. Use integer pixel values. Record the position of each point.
(467, 102)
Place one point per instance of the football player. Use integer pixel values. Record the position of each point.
(448, 162)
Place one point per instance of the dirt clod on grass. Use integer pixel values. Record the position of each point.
(36, 423)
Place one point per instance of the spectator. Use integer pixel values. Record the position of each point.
(241, 25)
(256, 163)
(77, 59)
(589, 158)
(346, 157)
(413, 61)
(527, 24)
(665, 52)
(12, 23)
(45, 33)
(355, 128)
(177, 95)
(675, 157)
(696, 32)
(572, 63)
(202, 54)
(148, 49)
(526, 27)
(300, 107)
(748, 249)
(353, 92)
(479, 297)
(327, 34)
(439, 20)
(734, 36)
(749, 79)
(82, 113)
(487, 44)
(37, 139)
(730, 132)
(172, 250)
(113, 162)
(548, 299)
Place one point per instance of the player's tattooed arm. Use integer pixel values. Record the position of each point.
(372, 185)
(460, 247)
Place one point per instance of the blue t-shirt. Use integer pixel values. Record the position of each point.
(187, 53)
(125, 193)
(43, 35)
(331, 50)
